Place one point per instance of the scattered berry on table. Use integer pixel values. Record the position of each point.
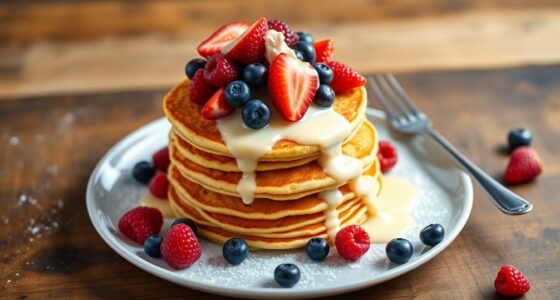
(344, 78)
(193, 65)
(324, 50)
(216, 107)
(304, 37)
(249, 47)
(220, 70)
(524, 166)
(287, 275)
(180, 248)
(317, 248)
(199, 89)
(255, 75)
(223, 36)
(432, 234)
(511, 282)
(161, 160)
(399, 250)
(256, 114)
(290, 37)
(324, 96)
(352, 242)
(325, 73)
(188, 222)
(159, 185)
(152, 246)
(306, 50)
(519, 137)
(387, 155)
(237, 93)
(143, 172)
(235, 251)
(141, 222)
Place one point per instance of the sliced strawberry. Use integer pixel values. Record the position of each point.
(323, 50)
(344, 77)
(216, 107)
(223, 36)
(292, 85)
(249, 47)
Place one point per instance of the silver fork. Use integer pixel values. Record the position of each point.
(406, 118)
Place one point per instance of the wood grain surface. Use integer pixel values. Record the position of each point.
(50, 145)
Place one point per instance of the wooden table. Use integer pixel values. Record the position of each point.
(76, 76)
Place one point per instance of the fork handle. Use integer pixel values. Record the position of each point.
(507, 201)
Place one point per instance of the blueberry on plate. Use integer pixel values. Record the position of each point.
(193, 65)
(187, 222)
(237, 93)
(324, 96)
(519, 137)
(317, 248)
(143, 172)
(399, 250)
(304, 37)
(298, 54)
(432, 234)
(255, 75)
(287, 275)
(307, 50)
(256, 114)
(235, 251)
(325, 73)
(152, 245)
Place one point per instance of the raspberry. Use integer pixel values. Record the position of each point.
(387, 155)
(345, 78)
(511, 282)
(220, 70)
(290, 37)
(352, 242)
(524, 166)
(161, 160)
(199, 89)
(140, 223)
(159, 185)
(180, 248)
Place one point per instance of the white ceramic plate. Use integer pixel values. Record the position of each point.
(445, 197)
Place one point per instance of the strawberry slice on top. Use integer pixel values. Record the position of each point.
(223, 36)
(324, 50)
(216, 107)
(292, 85)
(249, 47)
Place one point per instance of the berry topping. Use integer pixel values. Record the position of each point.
(161, 160)
(325, 73)
(306, 50)
(519, 137)
(199, 89)
(193, 65)
(292, 85)
(152, 245)
(237, 93)
(289, 36)
(187, 222)
(432, 234)
(223, 36)
(256, 114)
(344, 78)
(235, 251)
(324, 96)
(249, 47)
(352, 242)
(143, 172)
(216, 107)
(317, 248)
(255, 75)
(141, 222)
(524, 166)
(304, 37)
(324, 50)
(287, 275)
(220, 70)
(387, 155)
(159, 185)
(399, 250)
(180, 248)
(511, 282)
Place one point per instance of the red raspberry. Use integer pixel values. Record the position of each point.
(511, 282)
(352, 242)
(344, 78)
(290, 37)
(199, 89)
(220, 70)
(161, 160)
(159, 185)
(387, 155)
(524, 166)
(140, 223)
(180, 248)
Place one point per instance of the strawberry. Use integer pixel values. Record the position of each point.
(323, 50)
(524, 165)
(199, 89)
(249, 47)
(344, 78)
(159, 184)
(292, 85)
(141, 222)
(387, 155)
(180, 248)
(161, 160)
(216, 107)
(290, 37)
(511, 282)
(220, 70)
(223, 36)
(352, 242)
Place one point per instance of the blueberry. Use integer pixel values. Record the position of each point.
(304, 37)
(519, 137)
(287, 275)
(298, 54)
(432, 234)
(399, 250)
(317, 248)
(307, 50)
(143, 172)
(152, 245)
(235, 251)
(255, 75)
(193, 65)
(324, 96)
(325, 73)
(237, 93)
(256, 114)
(187, 222)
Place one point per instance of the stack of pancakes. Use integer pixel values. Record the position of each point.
(287, 210)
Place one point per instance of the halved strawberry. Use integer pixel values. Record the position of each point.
(216, 107)
(292, 85)
(323, 50)
(249, 47)
(223, 36)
